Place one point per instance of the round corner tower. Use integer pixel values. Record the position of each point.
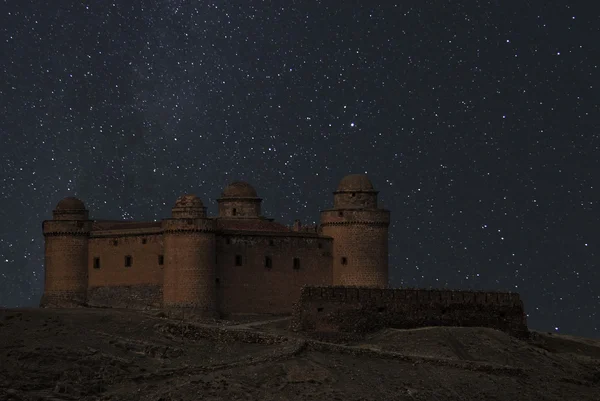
(190, 261)
(359, 229)
(239, 200)
(66, 255)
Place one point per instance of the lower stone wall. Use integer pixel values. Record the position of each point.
(325, 311)
(142, 296)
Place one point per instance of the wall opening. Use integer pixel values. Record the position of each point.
(268, 262)
(381, 309)
(344, 260)
(271, 242)
(238, 260)
(217, 281)
(161, 260)
(233, 211)
(228, 240)
(144, 241)
(319, 309)
(115, 242)
(341, 214)
(353, 194)
(96, 263)
(296, 263)
(128, 261)
(319, 245)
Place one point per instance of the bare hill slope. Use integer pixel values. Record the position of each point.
(101, 354)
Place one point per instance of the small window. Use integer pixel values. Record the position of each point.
(238, 260)
(233, 211)
(96, 263)
(115, 242)
(161, 260)
(296, 263)
(128, 261)
(341, 214)
(271, 242)
(319, 309)
(228, 240)
(353, 194)
(344, 260)
(268, 262)
(217, 281)
(144, 241)
(320, 245)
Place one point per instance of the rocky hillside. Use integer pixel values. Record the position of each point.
(101, 354)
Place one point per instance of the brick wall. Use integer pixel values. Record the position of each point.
(111, 250)
(255, 288)
(360, 310)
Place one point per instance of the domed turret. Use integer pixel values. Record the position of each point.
(189, 255)
(360, 234)
(188, 207)
(66, 255)
(70, 203)
(355, 191)
(70, 208)
(239, 200)
(355, 182)
(239, 189)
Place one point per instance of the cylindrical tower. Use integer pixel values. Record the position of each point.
(239, 200)
(66, 255)
(190, 261)
(360, 234)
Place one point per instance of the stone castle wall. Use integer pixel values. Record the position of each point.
(249, 288)
(254, 287)
(356, 310)
(110, 251)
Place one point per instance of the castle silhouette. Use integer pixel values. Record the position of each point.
(236, 262)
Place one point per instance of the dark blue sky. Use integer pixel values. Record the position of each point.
(478, 122)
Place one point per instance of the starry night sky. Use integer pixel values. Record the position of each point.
(477, 120)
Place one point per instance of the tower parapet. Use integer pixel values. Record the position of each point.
(190, 260)
(360, 232)
(66, 255)
(239, 200)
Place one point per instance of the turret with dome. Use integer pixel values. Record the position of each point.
(360, 233)
(239, 200)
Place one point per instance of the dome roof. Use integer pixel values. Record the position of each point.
(70, 203)
(239, 189)
(355, 182)
(188, 200)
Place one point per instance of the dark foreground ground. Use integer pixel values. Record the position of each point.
(101, 354)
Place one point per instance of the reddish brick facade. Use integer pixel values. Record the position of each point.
(237, 262)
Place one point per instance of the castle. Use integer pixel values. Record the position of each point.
(236, 262)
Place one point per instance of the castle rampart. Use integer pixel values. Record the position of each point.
(359, 310)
